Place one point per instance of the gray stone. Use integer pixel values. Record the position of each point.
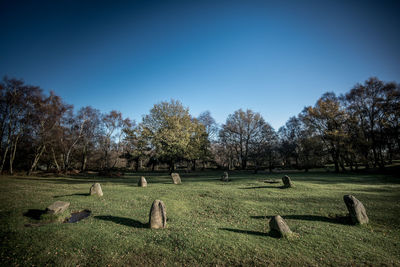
(356, 209)
(57, 207)
(142, 182)
(176, 179)
(95, 189)
(225, 177)
(158, 215)
(287, 182)
(279, 226)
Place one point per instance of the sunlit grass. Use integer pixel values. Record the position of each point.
(209, 222)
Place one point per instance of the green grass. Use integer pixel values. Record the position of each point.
(209, 222)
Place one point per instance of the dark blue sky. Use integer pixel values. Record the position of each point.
(274, 57)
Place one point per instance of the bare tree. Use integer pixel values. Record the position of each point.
(239, 131)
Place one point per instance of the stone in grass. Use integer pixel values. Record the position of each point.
(176, 179)
(287, 182)
(356, 209)
(142, 182)
(225, 177)
(279, 227)
(57, 207)
(95, 189)
(158, 215)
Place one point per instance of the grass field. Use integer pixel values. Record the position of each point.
(209, 222)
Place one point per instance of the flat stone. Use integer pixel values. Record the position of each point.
(357, 211)
(95, 189)
(57, 207)
(287, 182)
(142, 182)
(158, 215)
(77, 216)
(176, 179)
(279, 226)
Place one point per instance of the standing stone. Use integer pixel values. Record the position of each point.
(287, 182)
(225, 177)
(57, 207)
(142, 182)
(95, 189)
(158, 215)
(356, 209)
(176, 179)
(278, 225)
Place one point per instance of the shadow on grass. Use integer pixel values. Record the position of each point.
(122, 221)
(249, 232)
(264, 186)
(339, 219)
(70, 195)
(34, 214)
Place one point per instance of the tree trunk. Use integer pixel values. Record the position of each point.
(84, 158)
(4, 158)
(194, 165)
(136, 164)
(36, 159)
(171, 167)
(12, 153)
(55, 159)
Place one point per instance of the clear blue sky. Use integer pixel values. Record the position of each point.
(274, 57)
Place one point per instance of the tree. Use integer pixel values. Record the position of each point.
(170, 129)
(375, 106)
(16, 105)
(48, 112)
(289, 136)
(199, 144)
(209, 123)
(241, 130)
(113, 125)
(90, 132)
(263, 147)
(327, 118)
(138, 147)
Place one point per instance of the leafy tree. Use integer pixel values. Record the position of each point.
(138, 146)
(198, 147)
(327, 118)
(170, 129)
(375, 106)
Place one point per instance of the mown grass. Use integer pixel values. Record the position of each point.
(209, 222)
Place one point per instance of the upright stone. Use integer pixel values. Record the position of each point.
(356, 209)
(158, 215)
(287, 182)
(225, 177)
(95, 189)
(142, 182)
(279, 226)
(176, 179)
(57, 207)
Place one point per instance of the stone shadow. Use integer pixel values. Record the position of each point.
(34, 214)
(338, 219)
(264, 186)
(249, 232)
(70, 195)
(122, 221)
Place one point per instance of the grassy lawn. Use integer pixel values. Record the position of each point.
(209, 222)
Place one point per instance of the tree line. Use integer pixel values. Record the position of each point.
(41, 131)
